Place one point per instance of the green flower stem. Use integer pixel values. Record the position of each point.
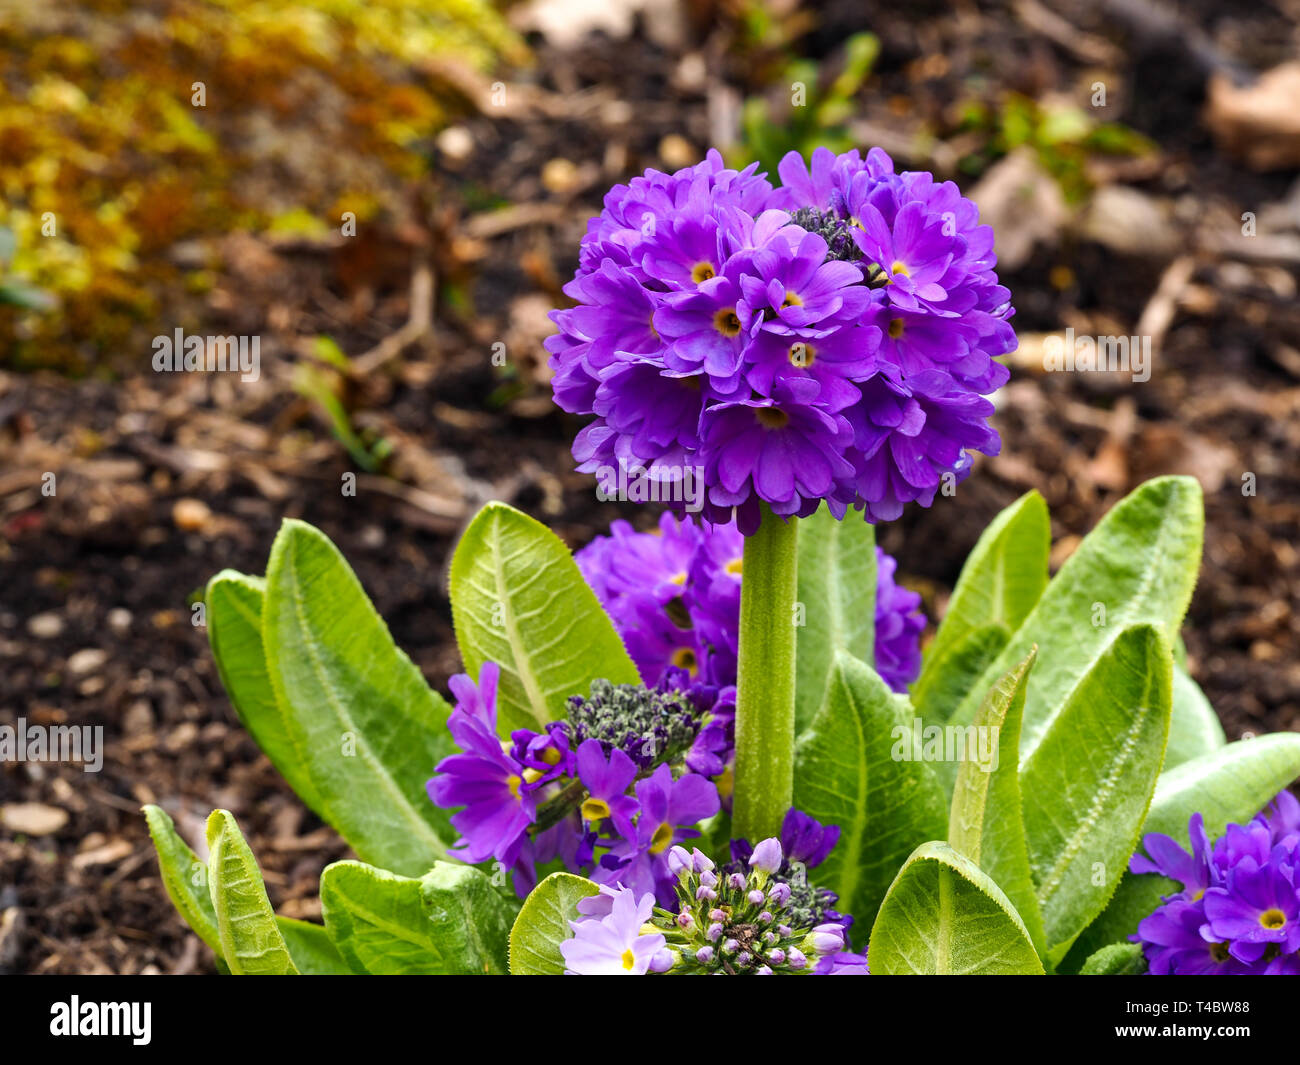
(764, 782)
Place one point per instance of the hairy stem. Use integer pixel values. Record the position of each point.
(765, 681)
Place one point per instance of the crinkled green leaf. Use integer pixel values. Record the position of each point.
(367, 728)
(451, 921)
(959, 668)
(1194, 729)
(518, 599)
(1138, 566)
(1087, 785)
(250, 939)
(1001, 582)
(837, 588)
(234, 616)
(853, 768)
(1119, 959)
(543, 924)
(943, 916)
(311, 948)
(987, 822)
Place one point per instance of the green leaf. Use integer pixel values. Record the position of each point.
(837, 589)
(1194, 729)
(1139, 565)
(367, 728)
(855, 768)
(958, 669)
(943, 916)
(1002, 580)
(184, 877)
(1119, 959)
(451, 921)
(1087, 786)
(518, 599)
(987, 822)
(234, 604)
(1227, 786)
(250, 939)
(311, 948)
(543, 924)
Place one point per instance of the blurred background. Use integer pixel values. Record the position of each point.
(389, 194)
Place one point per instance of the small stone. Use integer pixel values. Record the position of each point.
(32, 818)
(191, 515)
(87, 660)
(455, 142)
(45, 626)
(676, 151)
(138, 719)
(119, 620)
(559, 175)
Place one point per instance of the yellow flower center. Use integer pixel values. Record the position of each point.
(684, 658)
(792, 299)
(900, 268)
(772, 417)
(595, 809)
(896, 328)
(802, 354)
(726, 322)
(1272, 919)
(702, 272)
(629, 959)
(735, 566)
(551, 756)
(514, 781)
(661, 839)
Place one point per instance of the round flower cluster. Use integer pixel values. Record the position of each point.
(674, 596)
(1239, 910)
(829, 338)
(735, 921)
(606, 792)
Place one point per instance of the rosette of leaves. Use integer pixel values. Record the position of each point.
(1084, 729)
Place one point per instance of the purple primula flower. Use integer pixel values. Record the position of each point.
(713, 310)
(607, 781)
(844, 963)
(674, 596)
(613, 943)
(1238, 912)
(484, 779)
(669, 808)
(784, 450)
(1256, 906)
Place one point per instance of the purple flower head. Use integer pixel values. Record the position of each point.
(723, 325)
(1257, 905)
